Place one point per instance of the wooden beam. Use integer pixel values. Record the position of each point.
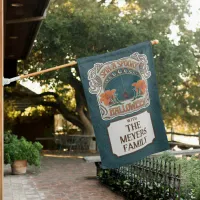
(25, 20)
(1, 95)
(182, 134)
(181, 152)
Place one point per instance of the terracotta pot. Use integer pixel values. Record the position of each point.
(19, 167)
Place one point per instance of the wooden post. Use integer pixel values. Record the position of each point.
(1, 94)
(199, 143)
(172, 134)
(199, 137)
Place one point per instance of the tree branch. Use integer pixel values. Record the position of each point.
(48, 94)
(37, 99)
(47, 103)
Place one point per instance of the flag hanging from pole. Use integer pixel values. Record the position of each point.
(122, 96)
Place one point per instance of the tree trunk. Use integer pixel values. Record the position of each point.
(88, 128)
(81, 104)
(199, 143)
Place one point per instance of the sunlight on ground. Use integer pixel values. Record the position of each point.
(33, 86)
(61, 156)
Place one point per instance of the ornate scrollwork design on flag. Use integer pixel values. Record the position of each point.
(143, 66)
(95, 81)
(103, 111)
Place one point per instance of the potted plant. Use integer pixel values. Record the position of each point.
(19, 152)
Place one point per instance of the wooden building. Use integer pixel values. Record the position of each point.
(20, 21)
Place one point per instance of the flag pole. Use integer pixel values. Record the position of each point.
(48, 70)
(7, 81)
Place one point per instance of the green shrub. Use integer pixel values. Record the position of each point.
(190, 174)
(137, 189)
(21, 149)
(134, 189)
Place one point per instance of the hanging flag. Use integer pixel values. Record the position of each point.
(122, 96)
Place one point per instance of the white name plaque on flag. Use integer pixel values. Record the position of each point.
(131, 134)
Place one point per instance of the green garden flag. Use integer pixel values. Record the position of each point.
(122, 96)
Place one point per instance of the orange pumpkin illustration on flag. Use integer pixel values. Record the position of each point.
(140, 86)
(107, 97)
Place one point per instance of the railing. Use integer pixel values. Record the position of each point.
(73, 142)
(195, 137)
(150, 177)
(183, 134)
(97, 159)
(157, 177)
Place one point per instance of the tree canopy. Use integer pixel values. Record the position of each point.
(75, 29)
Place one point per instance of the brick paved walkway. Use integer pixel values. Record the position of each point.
(58, 179)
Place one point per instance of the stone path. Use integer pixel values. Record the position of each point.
(58, 179)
